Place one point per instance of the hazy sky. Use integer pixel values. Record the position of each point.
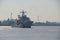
(45, 9)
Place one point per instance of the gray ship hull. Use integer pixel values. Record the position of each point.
(21, 25)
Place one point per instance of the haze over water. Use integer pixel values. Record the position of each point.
(45, 9)
(34, 33)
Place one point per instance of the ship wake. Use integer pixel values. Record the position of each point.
(5, 27)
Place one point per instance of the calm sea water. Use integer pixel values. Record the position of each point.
(34, 33)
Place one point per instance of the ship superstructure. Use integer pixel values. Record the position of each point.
(23, 21)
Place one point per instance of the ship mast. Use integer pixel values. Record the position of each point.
(38, 18)
(11, 15)
(23, 12)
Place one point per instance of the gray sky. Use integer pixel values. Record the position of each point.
(45, 9)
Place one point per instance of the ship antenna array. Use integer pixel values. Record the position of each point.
(23, 12)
